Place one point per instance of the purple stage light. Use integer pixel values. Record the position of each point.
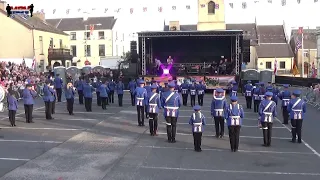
(166, 71)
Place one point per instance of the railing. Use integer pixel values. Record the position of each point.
(59, 54)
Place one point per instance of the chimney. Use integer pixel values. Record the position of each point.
(3, 5)
(40, 15)
(174, 26)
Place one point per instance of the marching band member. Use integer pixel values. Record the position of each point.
(111, 86)
(297, 108)
(233, 88)
(176, 88)
(234, 115)
(96, 85)
(12, 107)
(256, 98)
(262, 92)
(53, 104)
(170, 101)
(267, 111)
(28, 99)
(248, 94)
(141, 96)
(79, 86)
(120, 88)
(192, 89)
(58, 84)
(104, 91)
(269, 85)
(197, 120)
(132, 86)
(87, 93)
(153, 105)
(148, 88)
(159, 87)
(218, 107)
(69, 92)
(285, 97)
(48, 98)
(275, 92)
(200, 92)
(184, 91)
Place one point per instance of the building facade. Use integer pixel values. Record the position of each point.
(90, 39)
(29, 38)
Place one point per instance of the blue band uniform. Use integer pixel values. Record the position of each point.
(286, 102)
(140, 101)
(248, 93)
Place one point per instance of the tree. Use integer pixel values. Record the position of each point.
(125, 59)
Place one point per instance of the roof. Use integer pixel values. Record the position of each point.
(190, 27)
(272, 34)
(77, 24)
(272, 50)
(35, 23)
(190, 33)
(309, 38)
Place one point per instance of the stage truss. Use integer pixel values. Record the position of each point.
(237, 56)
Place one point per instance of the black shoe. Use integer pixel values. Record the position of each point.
(174, 141)
(14, 125)
(169, 141)
(285, 123)
(293, 141)
(264, 145)
(299, 141)
(217, 136)
(221, 136)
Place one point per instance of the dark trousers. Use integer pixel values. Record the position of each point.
(171, 128)
(80, 92)
(267, 133)
(48, 109)
(111, 96)
(59, 93)
(185, 99)
(104, 102)
(88, 104)
(234, 136)
(133, 99)
(12, 117)
(296, 129)
(197, 137)
(219, 125)
(140, 111)
(200, 99)
(28, 109)
(256, 104)
(120, 99)
(98, 99)
(153, 123)
(70, 103)
(249, 101)
(53, 105)
(193, 100)
(285, 115)
(146, 111)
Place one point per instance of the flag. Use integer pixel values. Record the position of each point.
(295, 70)
(91, 29)
(314, 71)
(275, 66)
(298, 45)
(34, 63)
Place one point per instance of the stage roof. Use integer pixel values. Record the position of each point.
(190, 33)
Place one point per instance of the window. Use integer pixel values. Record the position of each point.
(101, 34)
(41, 44)
(268, 65)
(282, 65)
(86, 35)
(74, 51)
(211, 7)
(60, 43)
(73, 36)
(51, 43)
(102, 50)
(87, 50)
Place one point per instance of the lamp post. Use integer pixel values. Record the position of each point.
(86, 38)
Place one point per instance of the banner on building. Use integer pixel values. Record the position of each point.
(213, 82)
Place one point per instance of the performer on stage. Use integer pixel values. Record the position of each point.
(218, 108)
(132, 86)
(200, 92)
(141, 97)
(297, 109)
(79, 85)
(256, 98)
(234, 116)
(198, 121)
(170, 101)
(153, 105)
(69, 94)
(120, 88)
(285, 97)
(184, 91)
(248, 94)
(267, 112)
(193, 90)
(170, 60)
(48, 98)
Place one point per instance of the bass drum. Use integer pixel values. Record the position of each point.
(2, 97)
(74, 72)
(98, 69)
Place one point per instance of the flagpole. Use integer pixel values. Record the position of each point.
(302, 58)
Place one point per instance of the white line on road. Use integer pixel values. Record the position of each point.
(57, 129)
(220, 150)
(62, 119)
(27, 141)
(79, 112)
(14, 159)
(241, 125)
(230, 171)
(305, 143)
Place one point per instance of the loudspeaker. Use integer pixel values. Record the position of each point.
(134, 57)
(133, 46)
(246, 51)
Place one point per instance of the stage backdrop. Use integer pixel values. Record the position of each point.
(162, 79)
(214, 82)
(189, 79)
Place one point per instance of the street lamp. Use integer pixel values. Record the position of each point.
(86, 37)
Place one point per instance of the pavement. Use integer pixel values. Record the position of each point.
(108, 145)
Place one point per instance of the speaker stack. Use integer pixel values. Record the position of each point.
(134, 53)
(246, 51)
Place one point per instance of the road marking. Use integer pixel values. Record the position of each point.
(14, 159)
(62, 119)
(79, 112)
(220, 150)
(305, 143)
(27, 141)
(230, 171)
(57, 129)
(249, 137)
(277, 127)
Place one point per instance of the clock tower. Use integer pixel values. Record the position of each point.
(211, 15)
